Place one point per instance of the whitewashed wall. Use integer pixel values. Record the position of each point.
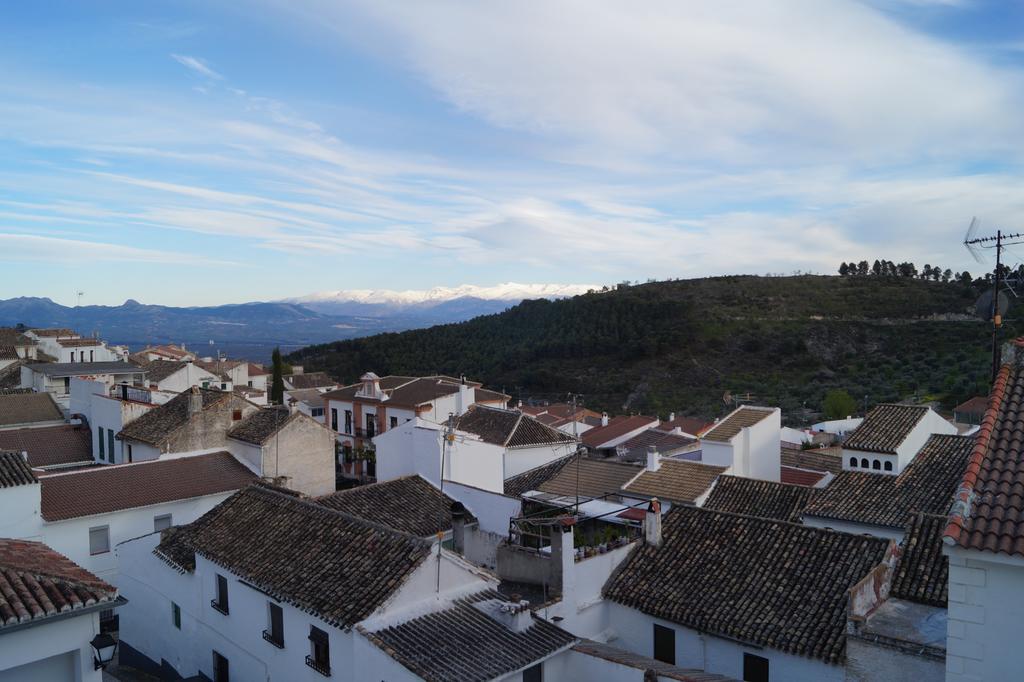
(22, 652)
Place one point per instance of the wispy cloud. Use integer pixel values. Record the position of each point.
(197, 65)
(27, 247)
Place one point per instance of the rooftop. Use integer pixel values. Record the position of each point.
(635, 449)
(155, 425)
(74, 369)
(409, 504)
(14, 470)
(105, 489)
(325, 562)
(988, 514)
(54, 332)
(885, 428)
(463, 642)
(50, 445)
(28, 408)
(594, 478)
(816, 459)
(261, 425)
(74, 343)
(690, 425)
(926, 485)
(738, 419)
(804, 477)
(508, 428)
(309, 396)
(766, 499)
(158, 370)
(675, 480)
(665, 671)
(41, 583)
(922, 574)
(600, 436)
(532, 479)
(311, 380)
(711, 571)
(975, 405)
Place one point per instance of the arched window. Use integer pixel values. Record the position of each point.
(876, 465)
(864, 463)
(853, 462)
(888, 466)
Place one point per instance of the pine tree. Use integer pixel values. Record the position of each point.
(277, 386)
(844, 269)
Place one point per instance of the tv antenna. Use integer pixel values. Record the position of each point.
(80, 295)
(999, 241)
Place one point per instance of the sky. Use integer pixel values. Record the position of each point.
(198, 153)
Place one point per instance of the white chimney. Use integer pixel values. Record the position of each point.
(195, 401)
(604, 419)
(464, 400)
(671, 416)
(458, 527)
(653, 458)
(652, 523)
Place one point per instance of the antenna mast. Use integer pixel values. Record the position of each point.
(448, 439)
(998, 242)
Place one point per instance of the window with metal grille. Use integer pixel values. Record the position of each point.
(275, 626)
(221, 602)
(319, 658)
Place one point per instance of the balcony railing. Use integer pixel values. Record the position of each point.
(322, 668)
(217, 606)
(279, 643)
(366, 433)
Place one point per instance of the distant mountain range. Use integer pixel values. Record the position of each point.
(251, 330)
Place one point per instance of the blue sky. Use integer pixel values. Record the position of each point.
(194, 153)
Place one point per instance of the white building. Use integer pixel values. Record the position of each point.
(107, 410)
(890, 436)
(55, 377)
(747, 442)
(308, 401)
(49, 615)
(179, 376)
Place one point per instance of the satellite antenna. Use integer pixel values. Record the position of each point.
(998, 242)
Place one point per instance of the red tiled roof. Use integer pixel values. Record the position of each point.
(126, 486)
(690, 425)
(616, 428)
(977, 404)
(806, 477)
(41, 583)
(50, 445)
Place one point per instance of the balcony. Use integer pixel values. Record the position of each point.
(366, 433)
(279, 643)
(217, 606)
(321, 667)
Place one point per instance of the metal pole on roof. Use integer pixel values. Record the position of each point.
(449, 437)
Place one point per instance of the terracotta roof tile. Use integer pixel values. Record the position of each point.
(409, 504)
(740, 418)
(885, 428)
(804, 477)
(112, 488)
(756, 580)
(635, 449)
(50, 445)
(311, 380)
(922, 574)
(817, 459)
(753, 497)
(154, 426)
(596, 478)
(508, 428)
(261, 425)
(28, 408)
(39, 583)
(618, 427)
(676, 481)
(534, 478)
(14, 470)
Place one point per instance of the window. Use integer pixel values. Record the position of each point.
(755, 668)
(110, 445)
(316, 411)
(334, 419)
(853, 462)
(348, 421)
(236, 415)
(876, 465)
(319, 658)
(161, 522)
(67, 385)
(534, 673)
(176, 615)
(888, 466)
(371, 425)
(99, 540)
(250, 383)
(220, 668)
(90, 356)
(206, 384)
(394, 422)
(275, 626)
(103, 452)
(129, 452)
(221, 602)
(223, 387)
(864, 462)
(664, 644)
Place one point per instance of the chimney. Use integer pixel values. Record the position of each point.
(652, 523)
(671, 416)
(465, 399)
(563, 557)
(195, 401)
(604, 419)
(458, 527)
(653, 458)
(515, 614)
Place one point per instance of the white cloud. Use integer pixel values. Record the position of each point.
(29, 247)
(198, 65)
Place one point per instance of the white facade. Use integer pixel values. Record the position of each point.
(50, 651)
(930, 423)
(754, 452)
(107, 413)
(986, 600)
(60, 386)
(185, 378)
(77, 351)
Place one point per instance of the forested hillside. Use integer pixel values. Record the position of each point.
(683, 345)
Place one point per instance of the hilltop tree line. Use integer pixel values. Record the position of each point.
(886, 268)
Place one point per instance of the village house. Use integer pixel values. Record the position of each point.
(754, 497)
(746, 441)
(814, 467)
(971, 411)
(179, 375)
(107, 410)
(50, 448)
(308, 401)
(55, 377)
(298, 380)
(16, 343)
(692, 427)
(604, 438)
(49, 615)
(571, 419)
(890, 436)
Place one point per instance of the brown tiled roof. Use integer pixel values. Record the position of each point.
(311, 380)
(753, 497)
(257, 370)
(922, 574)
(74, 369)
(635, 449)
(310, 396)
(631, 660)
(28, 408)
(690, 425)
(112, 488)
(676, 481)
(617, 428)
(325, 562)
(463, 642)
(10, 376)
(50, 445)
(14, 470)
(74, 343)
(57, 331)
(755, 580)
(484, 395)
(9, 336)
(508, 428)
(740, 418)
(975, 405)
(532, 479)
(8, 353)
(158, 370)
(409, 504)
(41, 583)
(818, 459)
(157, 424)
(926, 485)
(885, 428)
(988, 511)
(261, 425)
(214, 368)
(595, 478)
(804, 477)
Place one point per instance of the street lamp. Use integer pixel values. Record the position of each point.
(103, 648)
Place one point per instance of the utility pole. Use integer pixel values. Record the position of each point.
(997, 242)
(448, 439)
